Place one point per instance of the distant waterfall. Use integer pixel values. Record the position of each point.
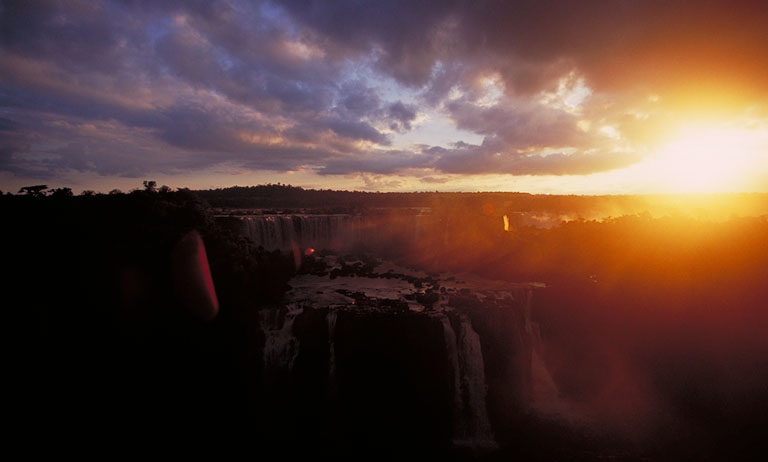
(471, 427)
(275, 232)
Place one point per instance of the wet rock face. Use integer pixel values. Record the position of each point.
(387, 357)
(392, 376)
(507, 348)
(372, 379)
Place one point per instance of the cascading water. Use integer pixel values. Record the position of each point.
(331, 318)
(473, 385)
(501, 313)
(452, 353)
(471, 427)
(280, 345)
(543, 387)
(277, 232)
(544, 391)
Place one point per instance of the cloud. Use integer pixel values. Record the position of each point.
(358, 100)
(378, 183)
(520, 125)
(615, 44)
(404, 35)
(401, 115)
(469, 159)
(355, 130)
(183, 77)
(436, 180)
(123, 88)
(379, 162)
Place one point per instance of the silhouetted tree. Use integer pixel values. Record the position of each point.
(115, 191)
(34, 191)
(61, 192)
(150, 185)
(88, 192)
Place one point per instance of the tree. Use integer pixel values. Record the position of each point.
(34, 191)
(150, 185)
(61, 192)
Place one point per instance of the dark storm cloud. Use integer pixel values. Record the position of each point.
(196, 127)
(356, 130)
(404, 33)
(7, 125)
(11, 143)
(401, 115)
(219, 81)
(359, 100)
(615, 43)
(287, 84)
(76, 34)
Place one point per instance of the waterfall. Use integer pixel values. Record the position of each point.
(271, 232)
(543, 387)
(280, 345)
(473, 384)
(471, 427)
(280, 232)
(331, 319)
(544, 391)
(452, 352)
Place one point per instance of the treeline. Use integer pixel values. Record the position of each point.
(286, 197)
(42, 190)
(277, 196)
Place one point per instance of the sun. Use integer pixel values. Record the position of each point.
(710, 158)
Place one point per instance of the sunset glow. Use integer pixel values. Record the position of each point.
(604, 98)
(709, 158)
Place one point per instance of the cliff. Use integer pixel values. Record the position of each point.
(386, 356)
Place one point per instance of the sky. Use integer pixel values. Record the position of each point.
(588, 97)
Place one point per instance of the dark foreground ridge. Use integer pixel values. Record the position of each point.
(418, 333)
